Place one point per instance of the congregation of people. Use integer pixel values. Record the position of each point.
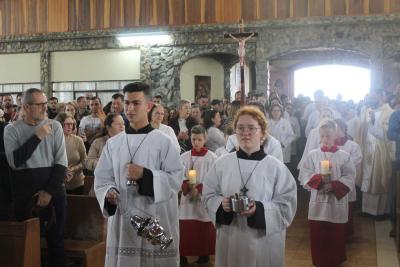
(185, 164)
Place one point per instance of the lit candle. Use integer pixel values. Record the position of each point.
(192, 175)
(325, 167)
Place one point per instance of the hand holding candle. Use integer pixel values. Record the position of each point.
(192, 175)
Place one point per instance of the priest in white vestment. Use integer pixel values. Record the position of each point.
(149, 160)
(256, 237)
(377, 158)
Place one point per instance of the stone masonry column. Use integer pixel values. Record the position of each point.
(45, 82)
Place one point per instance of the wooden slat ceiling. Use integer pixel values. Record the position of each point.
(41, 16)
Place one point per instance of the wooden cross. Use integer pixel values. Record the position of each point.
(241, 37)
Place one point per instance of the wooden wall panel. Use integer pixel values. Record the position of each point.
(146, 13)
(41, 16)
(57, 16)
(249, 9)
(72, 16)
(162, 12)
(232, 10)
(339, 7)
(316, 7)
(117, 13)
(267, 9)
(300, 8)
(394, 6)
(376, 6)
(283, 9)
(177, 12)
(193, 12)
(356, 7)
(83, 14)
(210, 12)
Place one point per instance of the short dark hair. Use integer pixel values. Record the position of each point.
(53, 98)
(95, 98)
(118, 95)
(80, 98)
(208, 115)
(198, 129)
(138, 87)
(157, 96)
(215, 102)
(202, 96)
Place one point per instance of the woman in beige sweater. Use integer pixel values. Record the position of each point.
(113, 125)
(76, 155)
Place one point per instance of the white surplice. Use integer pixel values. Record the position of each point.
(354, 150)
(271, 146)
(157, 153)
(297, 132)
(194, 210)
(377, 165)
(313, 142)
(325, 206)
(272, 184)
(283, 132)
(170, 132)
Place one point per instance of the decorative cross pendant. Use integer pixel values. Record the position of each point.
(244, 191)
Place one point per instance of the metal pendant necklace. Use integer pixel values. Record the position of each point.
(244, 189)
(129, 182)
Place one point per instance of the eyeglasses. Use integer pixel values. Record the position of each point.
(242, 129)
(38, 104)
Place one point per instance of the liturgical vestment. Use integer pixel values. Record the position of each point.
(273, 188)
(155, 195)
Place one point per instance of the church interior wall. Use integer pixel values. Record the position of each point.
(374, 38)
(203, 66)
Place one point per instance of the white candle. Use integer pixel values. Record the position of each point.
(192, 175)
(325, 167)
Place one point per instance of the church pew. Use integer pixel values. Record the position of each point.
(85, 231)
(20, 243)
(88, 184)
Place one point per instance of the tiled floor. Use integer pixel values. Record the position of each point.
(361, 249)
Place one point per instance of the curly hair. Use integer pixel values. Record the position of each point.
(257, 115)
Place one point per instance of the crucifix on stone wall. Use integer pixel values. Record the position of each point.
(241, 37)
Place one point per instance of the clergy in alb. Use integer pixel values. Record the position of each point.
(149, 160)
(256, 237)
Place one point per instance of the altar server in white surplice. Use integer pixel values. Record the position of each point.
(344, 143)
(281, 129)
(329, 174)
(255, 237)
(313, 140)
(149, 159)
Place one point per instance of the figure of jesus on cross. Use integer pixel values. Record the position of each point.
(242, 41)
(241, 37)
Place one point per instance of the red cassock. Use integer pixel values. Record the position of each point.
(328, 247)
(327, 243)
(197, 238)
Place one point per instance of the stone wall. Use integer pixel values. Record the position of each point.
(375, 38)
